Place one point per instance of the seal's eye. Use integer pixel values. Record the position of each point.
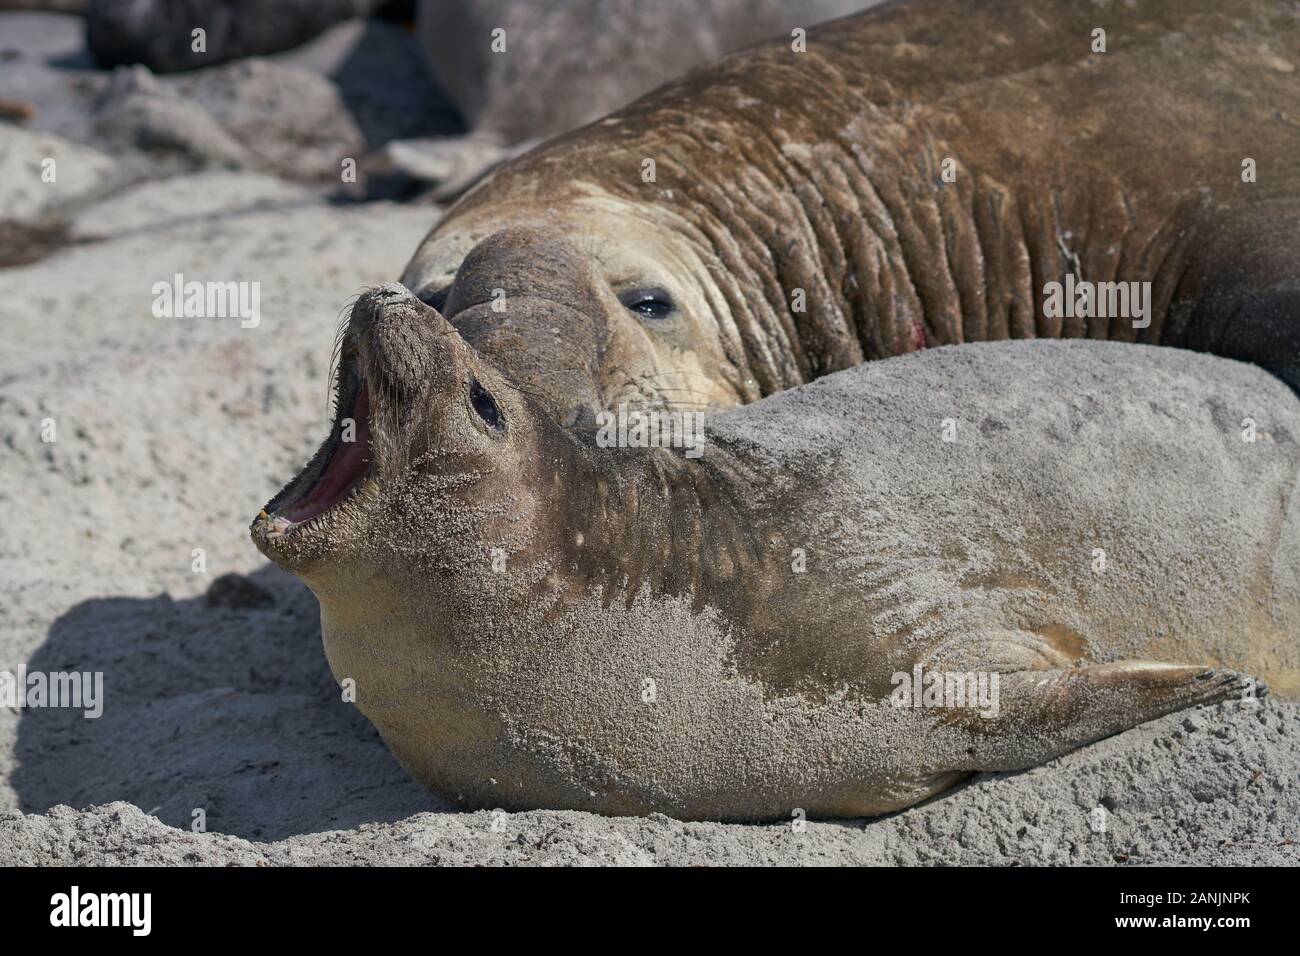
(649, 303)
(486, 406)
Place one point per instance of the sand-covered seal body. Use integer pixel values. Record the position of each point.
(918, 177)
(535, 621)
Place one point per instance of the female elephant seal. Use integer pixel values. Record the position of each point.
(533, 620)
(917, 177)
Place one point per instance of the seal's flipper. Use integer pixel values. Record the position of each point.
(1043, 714)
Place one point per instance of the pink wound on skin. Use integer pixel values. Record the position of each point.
(919, 338)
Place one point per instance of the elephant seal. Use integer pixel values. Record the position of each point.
(922, 175)
(534, 620)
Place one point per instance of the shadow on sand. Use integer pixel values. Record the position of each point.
(222, 702)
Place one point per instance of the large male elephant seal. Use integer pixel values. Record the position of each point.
(785, 214)
(1075, 537)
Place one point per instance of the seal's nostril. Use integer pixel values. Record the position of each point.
(390, 290)
(379, 303)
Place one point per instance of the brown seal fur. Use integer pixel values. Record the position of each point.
(821, 171)
(532, 620)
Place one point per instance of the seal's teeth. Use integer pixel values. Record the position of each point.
(279, 524)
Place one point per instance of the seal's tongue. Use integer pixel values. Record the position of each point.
(346, 468)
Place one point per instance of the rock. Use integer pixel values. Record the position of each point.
(545, 81)
(52, 6)
(196, 196)
(78, 174)
(292, 120)
(159, 33)
(380, 73)
(445, 165)
(248, 115)
(138, 112)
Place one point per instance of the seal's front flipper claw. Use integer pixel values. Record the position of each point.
(1043, 714)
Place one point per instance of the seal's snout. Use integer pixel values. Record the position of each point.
(396, 336)
(407, 382)
(387, 348)
(377, 303)
(529, 299)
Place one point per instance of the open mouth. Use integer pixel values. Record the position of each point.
(344, 465)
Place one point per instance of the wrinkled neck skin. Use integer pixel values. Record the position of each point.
(580, 523)
(802, 255)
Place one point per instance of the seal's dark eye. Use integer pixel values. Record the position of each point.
(436, 298)
(486, 406)
(650, 303)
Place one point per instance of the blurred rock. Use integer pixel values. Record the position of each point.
(158, 33)
(138, 112)
(566, 64)
(52, 6)
(79, 173)
(440, 168)
(248, 115)
(380, 73)
(199, 196)
(292, 120)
